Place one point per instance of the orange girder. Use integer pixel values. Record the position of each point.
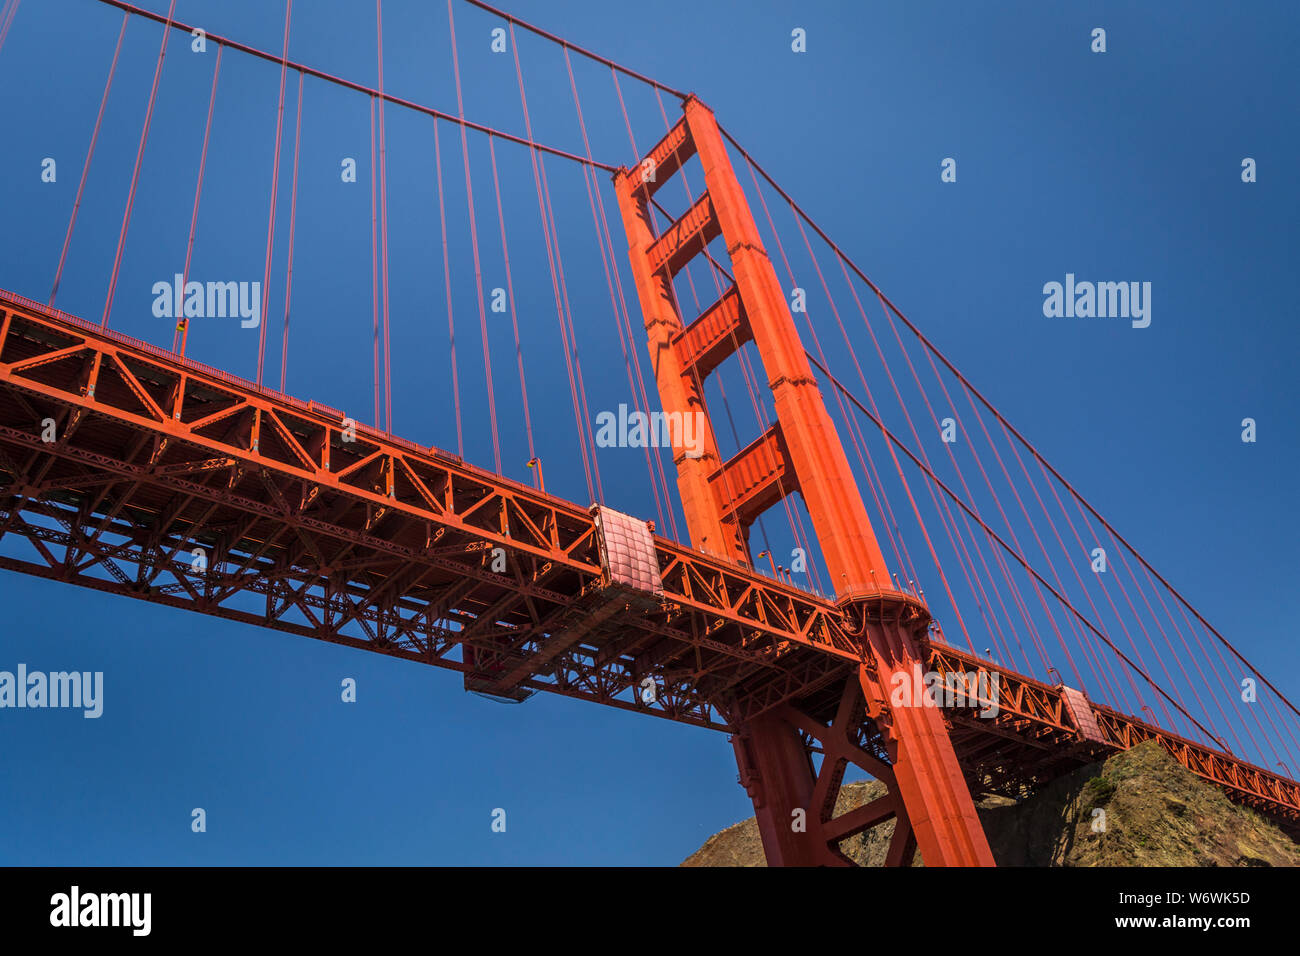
(383, 545)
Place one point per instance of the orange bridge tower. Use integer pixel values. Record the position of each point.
(906, 747)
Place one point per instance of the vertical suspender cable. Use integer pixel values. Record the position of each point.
(183, 324)
(446, 279)
(293, 222)
(7, 14)
(135, 174)
(473, 233)
(510, 294)
(383, 218)
(275, 188)
(606, 261)
(551, 254)
(374, 262)
(566, 316)
(90, 151)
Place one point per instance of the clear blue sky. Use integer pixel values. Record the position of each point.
(1124, 165)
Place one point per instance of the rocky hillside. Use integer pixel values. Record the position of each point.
(1156, 814)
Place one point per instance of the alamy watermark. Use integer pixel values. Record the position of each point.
(128, 910)
(637, 429)
(56, 689)
(179, 299)
(1102, 300)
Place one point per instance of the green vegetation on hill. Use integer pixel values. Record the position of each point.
(1156, 813)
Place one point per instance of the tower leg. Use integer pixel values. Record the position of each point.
(794, 800)
(777, 770)
(930, 784)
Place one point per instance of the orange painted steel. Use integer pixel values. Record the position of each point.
(383, 545)
(932, 803)
(1035, 735)
(357, 537)
(312, 524)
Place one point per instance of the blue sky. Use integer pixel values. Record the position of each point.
(1116, 166)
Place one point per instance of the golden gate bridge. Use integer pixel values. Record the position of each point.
(132, 468)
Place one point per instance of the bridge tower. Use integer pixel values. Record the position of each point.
(906, 747)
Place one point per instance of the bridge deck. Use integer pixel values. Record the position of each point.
(132, 471)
